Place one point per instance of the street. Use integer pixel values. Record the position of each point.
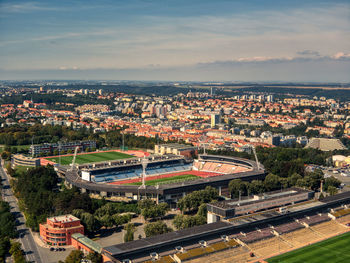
(25, 237)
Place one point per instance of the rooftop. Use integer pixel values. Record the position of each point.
(229, 204)
(63, 218)
(87, 242)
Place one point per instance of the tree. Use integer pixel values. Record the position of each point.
(129, 234)
(156, 228)
(192, 201)
(331, 181)
(17, 253)
(256, 187)
(74, 257)
(90, 222)
(272, 182)
(151, 210)
(236, 187)
(95, 257)
(332, 190)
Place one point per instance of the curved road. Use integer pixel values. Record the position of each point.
(25, 236)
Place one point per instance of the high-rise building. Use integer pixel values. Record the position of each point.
(215, 120)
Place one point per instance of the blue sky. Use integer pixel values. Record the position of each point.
(176, 40)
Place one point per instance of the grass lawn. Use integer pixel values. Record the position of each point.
(332, 250)
(92, 157)
(22, 169)
(174, 179)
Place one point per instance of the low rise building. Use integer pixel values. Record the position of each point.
(58, 230)
(177, 149)
(21, 160)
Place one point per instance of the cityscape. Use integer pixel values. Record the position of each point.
(170, 132)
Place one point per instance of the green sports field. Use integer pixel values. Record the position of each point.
(91, 157)
(332, 250)
(167, 180)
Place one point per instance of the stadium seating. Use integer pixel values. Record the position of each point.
(237, 254)
(330, 228)
(256, 235)
(343, 219)
(287, 227)
(301, 237)
(266, 247)
(341, 212)
(314, 219)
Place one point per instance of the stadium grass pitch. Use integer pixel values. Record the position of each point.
(332, 250)
(91, 157)
(168, 180)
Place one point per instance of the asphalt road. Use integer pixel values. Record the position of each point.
(25, 237)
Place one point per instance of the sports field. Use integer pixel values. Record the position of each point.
(90, 157)
(332, 250)
(167, 180)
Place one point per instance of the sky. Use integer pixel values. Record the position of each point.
(176, 40)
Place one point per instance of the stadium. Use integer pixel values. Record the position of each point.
(165, 178)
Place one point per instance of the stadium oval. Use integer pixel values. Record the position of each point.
(211, 170)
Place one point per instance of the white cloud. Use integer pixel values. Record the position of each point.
(23, 7)
(341, 55)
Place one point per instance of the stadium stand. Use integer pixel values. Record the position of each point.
(311, 220)
(343, 219)
(341, 212)
(330, 228)
(266, 247)
(256, 235)
(287, 227)
(299, 237)
(238, 255)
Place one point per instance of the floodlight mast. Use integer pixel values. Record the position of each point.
(144, 163)
(74, 157)
(256, 157)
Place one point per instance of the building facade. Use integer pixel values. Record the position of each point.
(63, 146)
(21, 160)
(58, 230)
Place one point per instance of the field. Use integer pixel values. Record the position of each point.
(332, 250)
(168, 180)
(90, 157)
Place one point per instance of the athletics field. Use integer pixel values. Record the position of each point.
(168, 180)
(90, 157)
(332, 250)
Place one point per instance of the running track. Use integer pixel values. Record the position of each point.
(150, 178)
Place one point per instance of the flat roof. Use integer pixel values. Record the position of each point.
(163, 239)
(230, 204)
(87, 242)
(63, 218)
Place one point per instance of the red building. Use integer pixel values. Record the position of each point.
(58, 230)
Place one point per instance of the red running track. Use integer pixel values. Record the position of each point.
(161, 176)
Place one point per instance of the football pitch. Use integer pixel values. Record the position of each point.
(91, 157)
(332, 250)
(168, 180)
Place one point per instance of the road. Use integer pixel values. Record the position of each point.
(25, 237)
